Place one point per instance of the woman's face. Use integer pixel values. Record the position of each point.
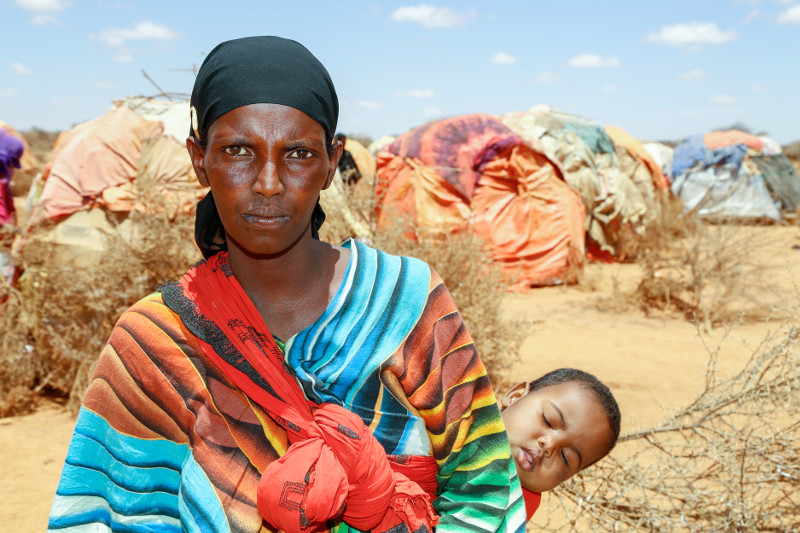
(266, 165)
(554, 432)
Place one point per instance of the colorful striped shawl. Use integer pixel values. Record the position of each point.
(165, 442)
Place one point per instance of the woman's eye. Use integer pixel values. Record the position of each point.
(546, 421)
(300, 153)
(564, 458)
(236, 150)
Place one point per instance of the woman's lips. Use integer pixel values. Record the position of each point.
(528, 459)
(265, 220)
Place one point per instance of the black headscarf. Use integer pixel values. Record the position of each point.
(256, 70)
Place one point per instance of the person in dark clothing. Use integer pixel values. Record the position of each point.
(347, 165)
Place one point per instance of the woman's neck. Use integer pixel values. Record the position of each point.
(293, 289)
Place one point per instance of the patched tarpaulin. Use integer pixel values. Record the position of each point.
(734, 180)
(611, 199)
(782, 180)
(90, 160)
(473, 173)
(720, 193)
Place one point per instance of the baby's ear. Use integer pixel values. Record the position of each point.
(520, 390)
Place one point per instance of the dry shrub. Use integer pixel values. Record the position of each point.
(360, 203)
(55, 324)
(726, 462)
(710, 273)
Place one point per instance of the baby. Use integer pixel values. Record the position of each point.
(558, 425)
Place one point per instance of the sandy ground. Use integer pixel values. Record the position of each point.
(653, 365)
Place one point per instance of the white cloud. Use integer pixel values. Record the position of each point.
(592, 61)
(123, 55)
(750, 16)
(432, 112)
(759, 88)
(43, 10)
(116, 5)
(790, 16)
(692, 34)
(144, 30)
(431, 16)
(502, 58)
(8, 92)
(370, 104)
(723, 99)
(416, 93)
(21, 69)
(548, 78)
(610, 88)
(693, 75)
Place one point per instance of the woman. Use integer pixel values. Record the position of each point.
(195, 406)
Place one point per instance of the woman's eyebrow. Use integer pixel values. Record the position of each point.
(233, 138)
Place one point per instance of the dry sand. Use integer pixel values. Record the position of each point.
(653, 365)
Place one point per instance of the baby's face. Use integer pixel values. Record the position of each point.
(554, 432)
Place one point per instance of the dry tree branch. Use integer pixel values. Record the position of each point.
(727, 462)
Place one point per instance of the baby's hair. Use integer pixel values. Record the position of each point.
(590, 383)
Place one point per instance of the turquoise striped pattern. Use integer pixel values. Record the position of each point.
(377, 305)
(154, 486)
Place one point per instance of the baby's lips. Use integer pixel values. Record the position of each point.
(527, 459)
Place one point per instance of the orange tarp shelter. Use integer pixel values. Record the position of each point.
(472, 173)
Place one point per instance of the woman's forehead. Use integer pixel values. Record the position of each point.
(267, 119)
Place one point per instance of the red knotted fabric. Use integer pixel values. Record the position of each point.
(334, 467)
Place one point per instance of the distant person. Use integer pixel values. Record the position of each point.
(347, 165)
(557, 425)
(11, 150)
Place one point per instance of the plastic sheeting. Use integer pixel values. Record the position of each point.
(714, 140)
(734, 180)
(165, 168)
(662, 154)
(472, 172)
(611, 199)
(90, 159)
(717, 192)
(637, 163)
(782, 180)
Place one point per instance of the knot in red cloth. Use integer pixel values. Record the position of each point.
(338, 470)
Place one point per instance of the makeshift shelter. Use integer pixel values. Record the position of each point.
(639, 165)
(103, 169)
(728, 175)
(378, 144)
(662, 154)
(472, 173)
(586, 154)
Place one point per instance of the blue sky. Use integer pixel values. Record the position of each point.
(661, 70)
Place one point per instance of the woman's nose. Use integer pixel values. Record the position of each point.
(268, 182)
